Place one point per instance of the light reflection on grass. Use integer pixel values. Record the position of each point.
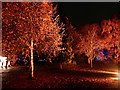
(117, 76)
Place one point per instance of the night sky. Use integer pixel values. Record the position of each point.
(80, 13)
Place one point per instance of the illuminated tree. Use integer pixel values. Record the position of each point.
(70, 40)
(88, 41)
(111, 31)
(9, 32)
(31, 26)
(95, 37)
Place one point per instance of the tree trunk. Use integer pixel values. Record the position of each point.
(31, 76)
(91, 63)
(61, 66)
(92, 51)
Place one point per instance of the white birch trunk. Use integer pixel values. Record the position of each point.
(31, 61)
(91, 45)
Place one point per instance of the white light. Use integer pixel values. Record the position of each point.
(3, 60)
(118, 76)
(114, 78)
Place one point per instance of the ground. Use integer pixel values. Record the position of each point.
(71, 76)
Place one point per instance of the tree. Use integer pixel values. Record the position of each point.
(92, 39)
(36, 27)
(87, 42)
(70, 39)
(111, 29)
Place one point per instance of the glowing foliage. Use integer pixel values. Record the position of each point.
(96, 37)
(30, 20)
(111, 29)
(69, 40)
(87, 41)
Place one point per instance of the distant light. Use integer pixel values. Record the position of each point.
(108, 72)
(3, 60)
(41, 60)
(117, 76)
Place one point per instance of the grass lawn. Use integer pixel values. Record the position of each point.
(49, 76)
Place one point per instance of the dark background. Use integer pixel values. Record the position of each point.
(80, 13)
